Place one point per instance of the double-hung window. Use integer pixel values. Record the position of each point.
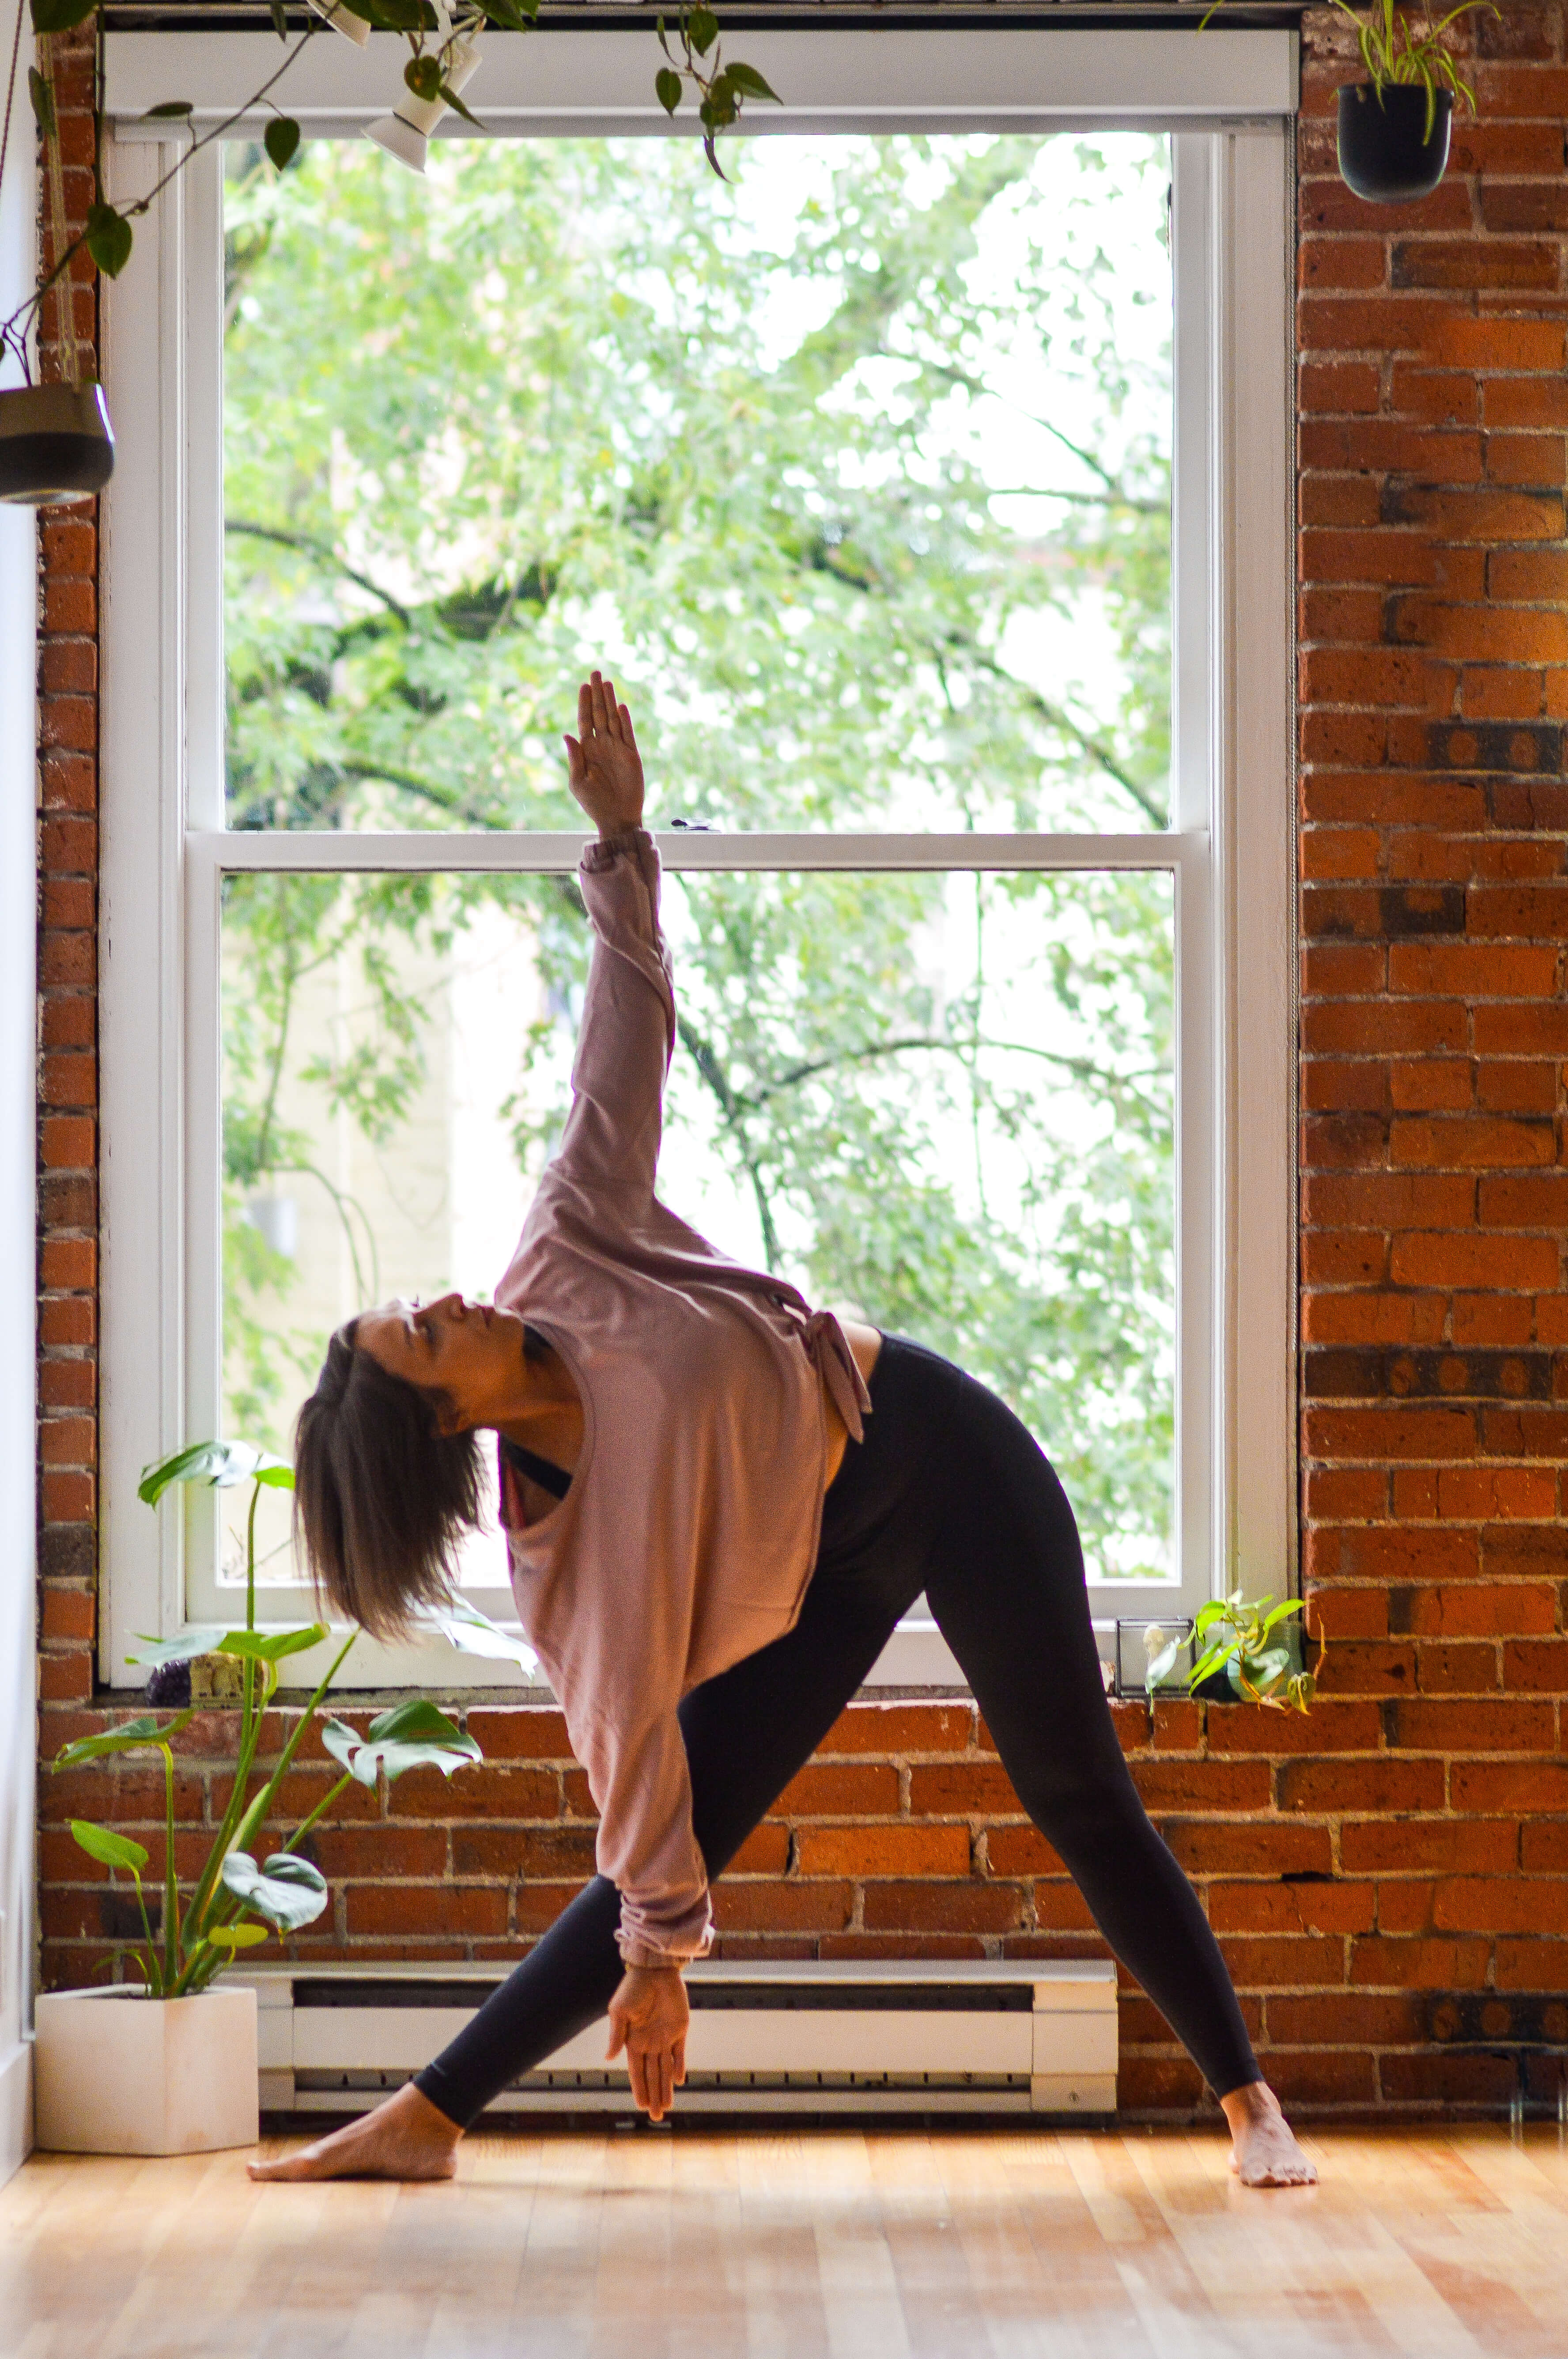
(926, 486)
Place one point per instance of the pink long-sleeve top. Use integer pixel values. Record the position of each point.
(687, 1536)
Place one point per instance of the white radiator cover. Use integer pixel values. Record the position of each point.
(844, 2035)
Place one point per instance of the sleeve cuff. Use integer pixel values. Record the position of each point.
(604, 851)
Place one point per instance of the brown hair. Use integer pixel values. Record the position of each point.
(382, 1496)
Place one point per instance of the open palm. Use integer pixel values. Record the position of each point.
(604, 770)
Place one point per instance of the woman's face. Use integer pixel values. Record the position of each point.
(470, 1351)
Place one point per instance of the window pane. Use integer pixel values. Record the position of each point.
(943, 1102)
(856, 472)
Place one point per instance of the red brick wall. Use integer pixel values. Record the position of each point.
(1408, 1842)
(68, 1008)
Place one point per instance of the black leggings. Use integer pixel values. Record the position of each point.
(949, 1494)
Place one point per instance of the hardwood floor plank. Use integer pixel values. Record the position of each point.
(1442, 2244)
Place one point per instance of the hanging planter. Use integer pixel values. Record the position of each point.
(1394, 128)
(1393, 140)
(56, 444)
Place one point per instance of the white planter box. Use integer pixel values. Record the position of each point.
(118, 2073)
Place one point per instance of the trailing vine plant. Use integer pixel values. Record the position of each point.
(436, 36)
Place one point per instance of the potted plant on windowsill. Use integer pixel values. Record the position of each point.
(168, 2066)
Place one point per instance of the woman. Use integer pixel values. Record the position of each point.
(718, 1505)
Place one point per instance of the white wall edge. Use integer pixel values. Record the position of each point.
(15, 2108)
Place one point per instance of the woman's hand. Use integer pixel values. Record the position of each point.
(648, 2018)
(604, 770)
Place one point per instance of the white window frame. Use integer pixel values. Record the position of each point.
(1228, 102)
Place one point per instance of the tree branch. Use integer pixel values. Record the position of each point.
(308, 542)
(1114, 1084)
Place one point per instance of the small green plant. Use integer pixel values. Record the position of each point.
(1242, 1642)
(195, 1942)
(1402, 45)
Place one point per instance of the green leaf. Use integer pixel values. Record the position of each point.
(221, 1463)
(456, 103)
(1161, 1663)
(472, 1633)
(60, 16)
(239, 1936)
(108, 239)
(423, 76)
(42, 98)
(747, 79)
(170, 110)
(720, 107)
(395, 16)
(107, 1848)
(270, 1646)
(512, 16)
(280, 139)
(202, 1639)
(666, 89)
(279, 18)
(702, 30)
(412, 1736)
(132, 1736)
(288, 1891)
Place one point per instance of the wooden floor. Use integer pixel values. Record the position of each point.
(635, 2246)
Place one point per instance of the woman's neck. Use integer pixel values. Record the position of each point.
(543, 1413)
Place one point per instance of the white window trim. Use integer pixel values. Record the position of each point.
(1231, 846)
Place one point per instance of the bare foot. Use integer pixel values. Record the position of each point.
(409, 2137)
(1263, 2149)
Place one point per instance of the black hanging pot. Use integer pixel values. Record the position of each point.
(56, 444)
(1385, 154)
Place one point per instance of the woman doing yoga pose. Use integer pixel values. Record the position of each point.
(719, 1504)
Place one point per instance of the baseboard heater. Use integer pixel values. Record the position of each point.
(841, 2037)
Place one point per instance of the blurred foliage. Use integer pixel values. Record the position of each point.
(566, 402)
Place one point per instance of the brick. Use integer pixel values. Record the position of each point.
(1536, 1664)
(1425, 1258)
(760, 1906)
(963, 1907)
(1427, 1846)
(1378, 1961)
(1248, 1847)
(1519, 1787)
(519, 1732)
(485, 1791)
(901, 1729)
(1480, 1610)
(883, 1850)
(1186, 1786)
(867, 1788)
(1430, 1724)
(1021, 1850)
(419, 1910)
(1535, 1904)
(974, 1789)
(1341, 1787)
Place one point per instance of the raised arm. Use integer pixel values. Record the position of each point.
(627, 1031)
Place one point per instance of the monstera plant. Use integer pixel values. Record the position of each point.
(238, 1900)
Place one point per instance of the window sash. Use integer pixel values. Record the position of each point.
(1230, 848)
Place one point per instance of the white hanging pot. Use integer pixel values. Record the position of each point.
(56, 443)
(406, 133)
(116, 2073)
